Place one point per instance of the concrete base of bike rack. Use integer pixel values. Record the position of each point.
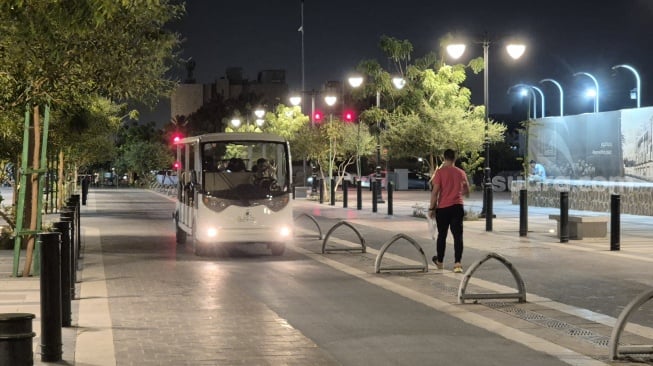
(520, 295)
(377, 263)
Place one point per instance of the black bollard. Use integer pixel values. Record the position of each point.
(615, 222)
(345, 191)
(375, 186)
(69, 217)
(16, 339)
(294, 193)
(564, 217)
(489, 210)
(63, 227)
(321, 183)
(85, 183)
(78, 214)
(390, 187)
(359, 196)
(51, 347)
(332, 190)
(523, 212)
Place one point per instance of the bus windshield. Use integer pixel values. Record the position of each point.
(244, 170)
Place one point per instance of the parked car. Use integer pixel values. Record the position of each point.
(418, 181)
(366, 179)
(350, 178)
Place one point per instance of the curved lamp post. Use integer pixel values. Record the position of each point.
(596, 85)
(638, 85)
(561, 93)
(515, 51)
(524, 91)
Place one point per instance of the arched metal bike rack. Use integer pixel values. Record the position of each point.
(386, 245)
(333, 228)
(520, 295)
(615, 350)
(319, 229)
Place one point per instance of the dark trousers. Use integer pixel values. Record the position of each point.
(450, 218)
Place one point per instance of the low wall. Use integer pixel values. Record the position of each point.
(587, 195)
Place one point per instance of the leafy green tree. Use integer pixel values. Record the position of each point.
(142, 149)
(67, 53)
(431, 113)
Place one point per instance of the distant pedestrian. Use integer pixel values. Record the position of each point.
(537, 173)
(449, 185)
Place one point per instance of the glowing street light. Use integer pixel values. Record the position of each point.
(524, 91)
(515, 51)
(595, 92)
(638, 86)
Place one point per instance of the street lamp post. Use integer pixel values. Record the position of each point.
(355, 82)
(638, 85)
(398, 83)
(596, 91)
(259, 113)
(515, 51)
(330, 100)
(524, 91)
(561, 93)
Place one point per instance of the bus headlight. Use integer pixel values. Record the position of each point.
(212, 232)
(285, 231)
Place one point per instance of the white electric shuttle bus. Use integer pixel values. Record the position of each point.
(234, 188)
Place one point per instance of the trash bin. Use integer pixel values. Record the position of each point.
(16, 339)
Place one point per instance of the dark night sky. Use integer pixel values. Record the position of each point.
(563, 37)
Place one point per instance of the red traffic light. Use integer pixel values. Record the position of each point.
(317, 116)
(176, 165)
(349, 116)
(176, 137)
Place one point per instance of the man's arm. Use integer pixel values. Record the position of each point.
(435, 196)
(465, 185)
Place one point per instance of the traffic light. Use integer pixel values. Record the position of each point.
(317, 116)
(176, 138)
(349, 116)
(176, 165)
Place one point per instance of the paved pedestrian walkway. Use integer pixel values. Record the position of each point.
(23, 294)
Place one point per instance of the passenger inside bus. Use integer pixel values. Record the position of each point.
(236, 165)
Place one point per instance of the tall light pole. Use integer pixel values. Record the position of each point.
(524, 91)
(638, 85)
(398, 83)
(355, 82)
(562, 101)
(515, 51)
(596, 85)
(330, 100)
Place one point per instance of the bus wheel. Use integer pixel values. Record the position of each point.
(198, 248)
(181, 236)
(277, 248)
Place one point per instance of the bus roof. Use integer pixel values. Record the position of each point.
(233, 136)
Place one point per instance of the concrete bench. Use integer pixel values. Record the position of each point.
(584, 226)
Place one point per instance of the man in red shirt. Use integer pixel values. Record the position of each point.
(449, 185)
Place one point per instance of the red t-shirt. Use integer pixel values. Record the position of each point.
(451, 181)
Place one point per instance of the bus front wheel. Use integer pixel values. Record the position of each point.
(277, 248)
(181, 236)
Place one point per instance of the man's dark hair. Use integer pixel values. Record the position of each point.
(449, 155)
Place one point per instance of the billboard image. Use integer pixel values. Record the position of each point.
(615, 145)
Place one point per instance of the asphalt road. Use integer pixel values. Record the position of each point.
(168, 306)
